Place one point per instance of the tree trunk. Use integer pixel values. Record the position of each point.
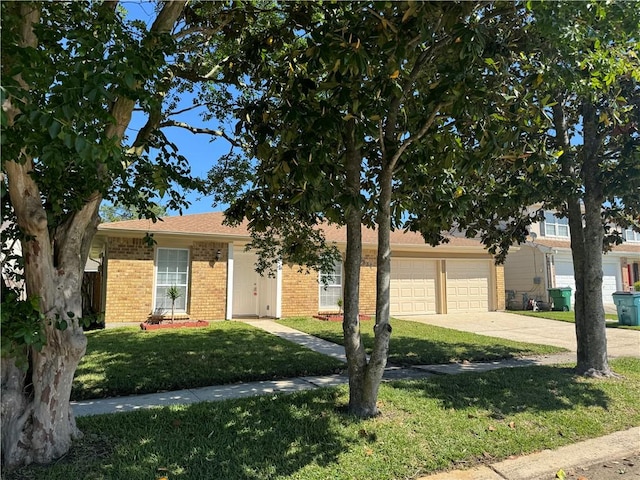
(590, 323)
(354, 349)
(37, 421)
(586, 240)
(39, 425)
(364, 386)
(382, 327)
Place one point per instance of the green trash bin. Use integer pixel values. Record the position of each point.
(628, 307)
(561, 298)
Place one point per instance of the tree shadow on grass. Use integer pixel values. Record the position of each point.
(256, 438)
(129, 361)
(409, 351)
(406, 350)
(512, 390)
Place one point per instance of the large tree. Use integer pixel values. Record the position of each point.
(588, 64)
(351, 101)
(582, 69)
(73, 76)
(580, 154)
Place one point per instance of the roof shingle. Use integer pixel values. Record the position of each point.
(212, 224)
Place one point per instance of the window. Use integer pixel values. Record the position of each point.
(554, 226)
(172, 269)
(331, 288)
(631, 235)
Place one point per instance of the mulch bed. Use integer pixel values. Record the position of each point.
(158, 326)
(334, 317)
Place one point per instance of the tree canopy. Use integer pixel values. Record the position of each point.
(73, 76)
(353, 113)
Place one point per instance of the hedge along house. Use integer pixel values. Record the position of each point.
(208, 263)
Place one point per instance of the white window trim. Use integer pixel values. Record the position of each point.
(321, 286)
(556, 224)
(155, 282)
(635, 236)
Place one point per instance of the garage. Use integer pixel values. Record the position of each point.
(413, 286)
(467, 285)
(564, 278)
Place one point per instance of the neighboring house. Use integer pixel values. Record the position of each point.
(207, 262)
(545, 262)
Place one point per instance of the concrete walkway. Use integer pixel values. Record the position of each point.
(503, 325)
(296, 336)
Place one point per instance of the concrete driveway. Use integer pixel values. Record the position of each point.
(620, 342)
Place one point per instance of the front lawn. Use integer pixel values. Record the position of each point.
(124, 361)
(611, 318)
(428, 425)
(415, 343)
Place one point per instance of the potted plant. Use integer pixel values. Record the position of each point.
(173, 293)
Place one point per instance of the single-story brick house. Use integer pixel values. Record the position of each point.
(207, 262)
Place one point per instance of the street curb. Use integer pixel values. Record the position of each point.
(545, 464)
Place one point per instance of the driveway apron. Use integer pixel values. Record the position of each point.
(521, 328)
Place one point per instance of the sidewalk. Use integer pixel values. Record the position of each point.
(223, 392)
(541, 465)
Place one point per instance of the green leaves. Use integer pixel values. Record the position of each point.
(21, 327)
(54, 129)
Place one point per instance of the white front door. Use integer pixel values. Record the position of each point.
(245, 285)
(267, 295)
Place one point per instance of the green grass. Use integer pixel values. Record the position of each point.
(612, 319)
(428, 425)
(124, 361)
(415, 343)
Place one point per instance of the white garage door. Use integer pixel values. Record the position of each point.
(564, 278)
(610, 281)
(564, 275)
(413, 286)
(467, 285)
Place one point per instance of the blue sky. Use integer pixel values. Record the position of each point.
(201, 152)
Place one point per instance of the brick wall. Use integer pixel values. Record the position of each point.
(368, 282)
(300, 296)
(500, 288)
(208, 292)
(299, 292)
(129, 284)
(130, 280)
